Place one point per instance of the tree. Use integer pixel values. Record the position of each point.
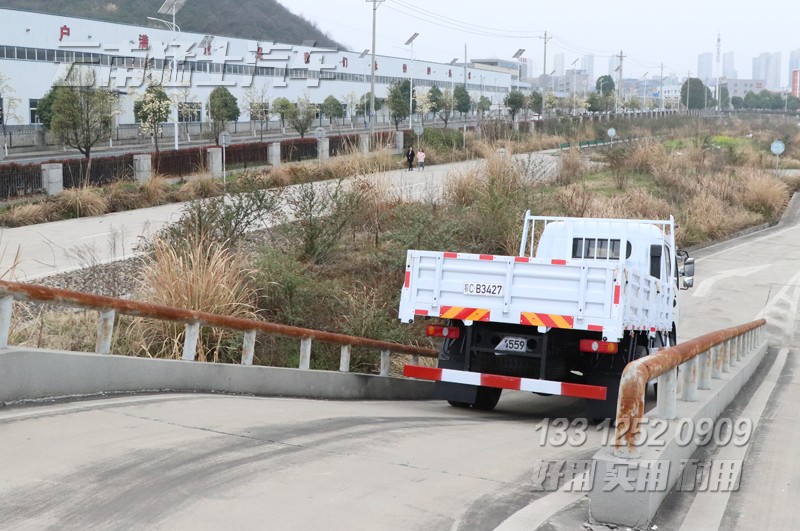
(605, 85)
(364, 103)
(257, 100)
(188, 109)
(698, 95)
(351, 100)
(332, 108)
(435, 99)
(463, 102)
(724, 98)
(793, 103)
(152, 109)
(302, 115)
(282, 107)
(737, 102)
(82, 116)
(535, 102)
(448, 103)
(424, 104)
(222, 107)
(8, 108)
(397, 101)
(515, 101)
(483, 106)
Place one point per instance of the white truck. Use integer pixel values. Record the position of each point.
(582, 299)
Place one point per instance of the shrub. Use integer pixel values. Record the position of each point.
(201, 188)
(154, 191)
(28, 214)
(572, 166)
(121, 196)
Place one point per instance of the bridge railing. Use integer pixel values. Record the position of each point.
(109, 307)
(700, 360)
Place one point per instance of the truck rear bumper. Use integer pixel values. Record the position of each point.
(549, 387)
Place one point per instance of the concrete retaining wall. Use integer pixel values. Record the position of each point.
(33, 373)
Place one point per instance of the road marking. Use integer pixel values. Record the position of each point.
(708, 508)
(707, 285)
(544, 508)
(94, 235)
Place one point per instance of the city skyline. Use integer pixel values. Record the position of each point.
(647, 37)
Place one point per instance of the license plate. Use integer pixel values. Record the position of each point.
(513, 344)
(483, 288)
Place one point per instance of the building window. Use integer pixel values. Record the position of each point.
(34, 115)
(189, 111)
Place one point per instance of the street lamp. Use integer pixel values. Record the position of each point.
(172, 7)
(518, 57)
(410, 42)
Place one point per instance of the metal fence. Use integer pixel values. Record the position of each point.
(20, 180)
(298, 149)
(98, 171)
(181, 162)
(246, 155)
(343, 144)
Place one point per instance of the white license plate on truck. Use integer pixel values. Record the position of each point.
(483, 288)
(513, 344)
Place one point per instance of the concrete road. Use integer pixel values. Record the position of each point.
(61, 246)
(225, 462)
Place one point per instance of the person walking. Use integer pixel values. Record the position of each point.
(410, 158)
(421, 159)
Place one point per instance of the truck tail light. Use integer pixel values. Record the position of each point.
(599, 347)
(450, 332)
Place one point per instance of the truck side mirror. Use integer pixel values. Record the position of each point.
(688, 273)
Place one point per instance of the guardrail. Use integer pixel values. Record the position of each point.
(702, 359)
(109, 307)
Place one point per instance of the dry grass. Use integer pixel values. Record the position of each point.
(200, 275)
(155, 191)
(572, 166)
(765, 194)
(82, 202)
(39, 327)
(121, 197)
(28, 214)
(201, 188)
(706, 217)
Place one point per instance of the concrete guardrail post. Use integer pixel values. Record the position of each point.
(667, 394)
(705, 364)
(716, 364)
(386, 358)
(689, 372)
(190, 341)
(248, 347)
(305, 353)
(726, 356)
(52, 178)
(363, 143)
(6, 311)
(142, 168)
(214, 161)
(399, 141)
(734, 351)
(414, 360)
(105, 331)
(274, 154)
(344, 359)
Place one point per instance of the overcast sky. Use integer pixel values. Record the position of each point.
(648, 33)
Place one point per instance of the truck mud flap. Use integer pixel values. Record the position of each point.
(592, 392)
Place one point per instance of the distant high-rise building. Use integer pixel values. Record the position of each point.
(729, 66)
(613, 64)
(796, 83)
(558, 64)
(767, 66)
(587, 65)
(794, 64)
(705, 66)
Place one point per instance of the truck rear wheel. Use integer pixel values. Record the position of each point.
(458, 404)
(487, 398)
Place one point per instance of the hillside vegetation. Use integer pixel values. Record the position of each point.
(253, 19)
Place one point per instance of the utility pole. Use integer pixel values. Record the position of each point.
(719, 96)
(464, 133)
(619, 79)
(545, 39)
(661, 90)
(574, 82)
(688, 85)
(375, 4)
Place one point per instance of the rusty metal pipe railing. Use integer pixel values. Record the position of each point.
(103, 304)
(630, 404)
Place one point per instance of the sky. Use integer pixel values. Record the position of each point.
(648, 33)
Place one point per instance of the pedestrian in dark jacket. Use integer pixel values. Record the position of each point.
(410, 158)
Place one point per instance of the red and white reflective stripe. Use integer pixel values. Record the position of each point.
(550, 387)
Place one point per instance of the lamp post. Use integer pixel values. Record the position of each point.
(172, 7)
(410, 42)
(644, 94)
